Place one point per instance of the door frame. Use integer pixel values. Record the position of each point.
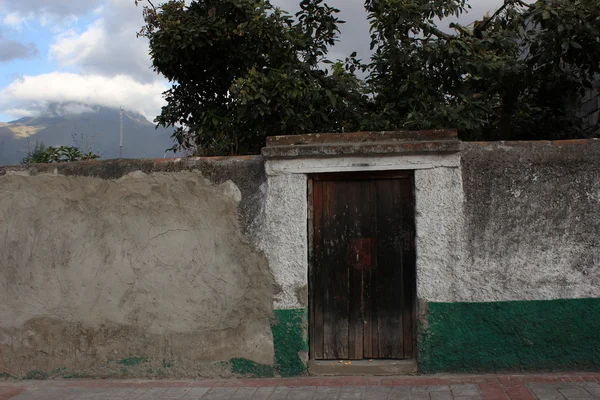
(357, 175)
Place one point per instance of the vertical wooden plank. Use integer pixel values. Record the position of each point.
(355, 248)
(360, 260)
(327, 266)
(342, 278)
(355, 331)
(316, 284)
(335, 250)
(355, 320)
(367, 306)
(389, 275)
(371, 337)
(381, 296)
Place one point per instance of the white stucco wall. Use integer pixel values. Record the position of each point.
(283, 237)
(439, 217)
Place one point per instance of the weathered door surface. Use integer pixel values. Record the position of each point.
(362, 267)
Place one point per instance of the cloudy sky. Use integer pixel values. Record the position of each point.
(87, 51)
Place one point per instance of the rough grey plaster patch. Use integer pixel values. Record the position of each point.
(248, 175)
(533, 230)
(246, 172)
(302, 295)
(162, 253)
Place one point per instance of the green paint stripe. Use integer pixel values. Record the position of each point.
(510, 336)
(290, 340)
(244, 367)
(289, 330)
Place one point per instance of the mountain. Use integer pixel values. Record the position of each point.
(84, 125)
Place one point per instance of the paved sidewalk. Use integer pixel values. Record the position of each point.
(448, 387)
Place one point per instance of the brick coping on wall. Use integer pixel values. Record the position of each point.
(525, 143)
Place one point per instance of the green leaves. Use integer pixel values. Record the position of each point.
(60, 154)
(243, 69)
(576, 45)
(514, 74)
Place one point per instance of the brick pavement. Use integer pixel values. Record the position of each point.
(448, 387)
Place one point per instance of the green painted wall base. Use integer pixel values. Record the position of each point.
(510, 336)
(241, 366)
(290, 341)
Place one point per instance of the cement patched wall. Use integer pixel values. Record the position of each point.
(523, 291)
(532, 225)
(199, 267)
(134, 268)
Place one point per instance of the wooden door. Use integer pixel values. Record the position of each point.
(362, 267)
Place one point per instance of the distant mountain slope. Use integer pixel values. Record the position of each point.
(96, 125)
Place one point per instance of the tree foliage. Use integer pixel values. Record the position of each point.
(49, 154)
(244, 69)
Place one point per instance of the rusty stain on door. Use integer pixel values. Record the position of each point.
(361, 253)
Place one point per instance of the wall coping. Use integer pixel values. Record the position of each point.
(357, 137)
(116, 168)
(361, 144)
(538, 143)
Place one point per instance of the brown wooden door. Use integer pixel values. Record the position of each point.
(362, 267)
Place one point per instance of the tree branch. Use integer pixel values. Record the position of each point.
(436, 31)
(149, 2)
(488, 21)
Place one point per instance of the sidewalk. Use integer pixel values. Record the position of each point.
(566, 386)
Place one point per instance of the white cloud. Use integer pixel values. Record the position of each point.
(109, 46)
(98, 10)
(29, 93)
(20, 112)
(48, 9)
(15, 20)
(71, 49)
(112, 67)
(74, 109)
